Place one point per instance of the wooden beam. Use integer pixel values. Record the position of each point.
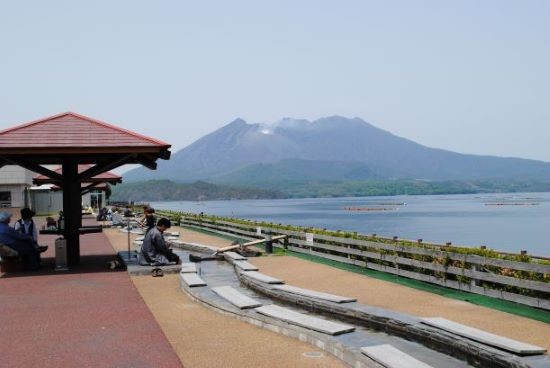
(36, 168)
(147, 163)
(165, 154)
(101, 167)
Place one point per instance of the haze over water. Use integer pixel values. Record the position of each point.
(506, 222)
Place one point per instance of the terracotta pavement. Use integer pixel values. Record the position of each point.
(86, 317)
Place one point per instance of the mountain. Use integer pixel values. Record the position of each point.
(332, 148)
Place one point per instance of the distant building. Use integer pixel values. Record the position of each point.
(15, 182)
(46, 201)
(17, 191)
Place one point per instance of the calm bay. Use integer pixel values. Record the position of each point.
(507, 222)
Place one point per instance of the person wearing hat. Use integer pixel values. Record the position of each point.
(25, 225)
(22, 243)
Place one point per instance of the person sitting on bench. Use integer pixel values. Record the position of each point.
(154, 250)
(26, 225)
(22, 243)
(148, 219)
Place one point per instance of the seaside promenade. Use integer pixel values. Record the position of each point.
(92, 316)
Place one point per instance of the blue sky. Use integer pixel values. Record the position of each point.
(468, 76)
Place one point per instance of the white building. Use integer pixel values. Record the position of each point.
(15, 182)
(17, 191)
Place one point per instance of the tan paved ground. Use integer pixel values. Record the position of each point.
(204, 338)
(164, 296)
(400, 298)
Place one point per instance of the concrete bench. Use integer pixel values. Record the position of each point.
(315, 294)
(484, 337)
(192, 279)
(236, 298)
(193, 246)
(304, 320)
(262, 277)
(188, 268)
(233, 256)
(391, 357)
(245, 266)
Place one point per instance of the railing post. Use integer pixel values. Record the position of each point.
(268, 243)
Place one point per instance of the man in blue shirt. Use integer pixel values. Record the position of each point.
(22, 243)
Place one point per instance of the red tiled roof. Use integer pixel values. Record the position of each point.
(107, 176)
(69, 130)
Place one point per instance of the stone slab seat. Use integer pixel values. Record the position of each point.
(193, 246)
(189, 267)
(245, 266)
(234, 256)
(192, 279)
(236, 298)
(391, 357)
(315, 294)
(304, 320)
(258, 276)
(504, 343)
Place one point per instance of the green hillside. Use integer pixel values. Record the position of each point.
(166, 190)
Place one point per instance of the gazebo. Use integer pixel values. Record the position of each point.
(70, 140)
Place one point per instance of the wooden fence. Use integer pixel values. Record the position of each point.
(521, 282)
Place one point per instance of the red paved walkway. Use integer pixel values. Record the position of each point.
(88, 317)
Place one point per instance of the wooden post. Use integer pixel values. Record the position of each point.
(72, 211)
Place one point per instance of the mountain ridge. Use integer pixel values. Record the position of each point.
(335, 145)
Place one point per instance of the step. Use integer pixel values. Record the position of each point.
(234, 256)
(391, 357)
(315, 294)
(245, 266)
(192, 279)
(189, 267)
(236, 298)
(484, 337)
(304, 320)
(258, 276)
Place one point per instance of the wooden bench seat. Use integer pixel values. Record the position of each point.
(391, 357)
(10, 261)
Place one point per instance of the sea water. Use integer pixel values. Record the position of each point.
(507, 222)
